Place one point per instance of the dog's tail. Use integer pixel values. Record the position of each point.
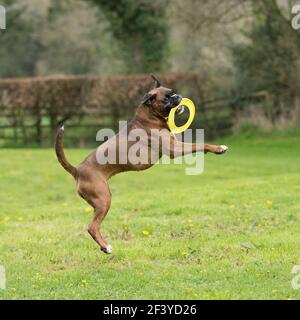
(59, 148)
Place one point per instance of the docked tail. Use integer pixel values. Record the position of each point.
(59, 148)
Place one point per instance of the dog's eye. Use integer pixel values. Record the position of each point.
(166, 98)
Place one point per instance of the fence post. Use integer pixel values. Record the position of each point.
(39, 134)
(53, 127)
(21, 118)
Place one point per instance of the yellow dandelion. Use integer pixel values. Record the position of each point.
(145, 232)
(88, 209)
(84, 283)
(20, 219)
(65, 204)
(13, 289)
(232, 206)
(39, 277)
(269, 202)
(185, 253)
(191, 225)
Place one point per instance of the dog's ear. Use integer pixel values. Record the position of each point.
(157, 82)
(148, 98)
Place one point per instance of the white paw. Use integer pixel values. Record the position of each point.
(224, 148)
(108, 249)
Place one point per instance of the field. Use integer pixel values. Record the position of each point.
(230, 233)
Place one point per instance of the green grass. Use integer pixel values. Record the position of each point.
(232, 232)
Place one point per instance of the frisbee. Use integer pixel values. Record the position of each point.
(185, 102)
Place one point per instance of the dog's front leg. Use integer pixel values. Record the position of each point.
(178, 148)
(215, 149)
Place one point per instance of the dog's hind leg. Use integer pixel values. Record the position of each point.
(100, 199)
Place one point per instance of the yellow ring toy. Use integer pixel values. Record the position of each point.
(171, 119)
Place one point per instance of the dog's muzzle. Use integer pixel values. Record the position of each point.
(173, 102)
(175, 99)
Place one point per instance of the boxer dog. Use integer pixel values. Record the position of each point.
(92, 175)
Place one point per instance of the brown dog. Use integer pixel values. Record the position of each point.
(92, 176)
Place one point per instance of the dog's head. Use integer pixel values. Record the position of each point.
(161, 100)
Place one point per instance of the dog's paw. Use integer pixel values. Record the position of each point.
(108, 249)
(221, 149)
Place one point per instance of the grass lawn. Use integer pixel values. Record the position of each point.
(232, 232)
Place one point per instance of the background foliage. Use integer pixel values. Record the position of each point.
(245, 51)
